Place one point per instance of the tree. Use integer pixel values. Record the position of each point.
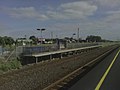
(92, 38)
(6, 41)
(67, 38)
(34, 39)
(2, 42)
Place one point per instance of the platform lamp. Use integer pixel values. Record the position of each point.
(43, 29)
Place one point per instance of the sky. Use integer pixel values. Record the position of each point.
(20, 18)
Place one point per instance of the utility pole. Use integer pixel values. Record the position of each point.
(51, 35)
(78, 34)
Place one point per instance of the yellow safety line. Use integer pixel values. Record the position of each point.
(107, 71)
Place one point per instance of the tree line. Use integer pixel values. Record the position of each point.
(6, 41)
(93, 38)
(10, 41)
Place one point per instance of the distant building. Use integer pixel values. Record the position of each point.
(45, 41)
(41, 40)
(49, 41)
(23, 41)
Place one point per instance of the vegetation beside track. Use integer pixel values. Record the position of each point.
(10, 65)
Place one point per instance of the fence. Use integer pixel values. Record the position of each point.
(7, 53)
(79, 45)
(30, 50)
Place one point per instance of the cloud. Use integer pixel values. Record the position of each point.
(73, 10)
(25, 12)
(107, 26)
(113, 16)
(109, 3)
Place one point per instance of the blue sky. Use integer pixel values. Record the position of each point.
(62, 17)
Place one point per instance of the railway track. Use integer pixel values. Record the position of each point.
(65, 82)
(39, 76)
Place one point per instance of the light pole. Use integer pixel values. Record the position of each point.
(43, 29)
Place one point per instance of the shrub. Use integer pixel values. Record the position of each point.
(13, 64)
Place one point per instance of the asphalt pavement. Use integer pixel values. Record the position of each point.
(104, 76)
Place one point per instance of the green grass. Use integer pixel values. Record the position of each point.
(6, 66)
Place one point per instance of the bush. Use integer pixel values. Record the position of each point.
(13, 64)
(4, 67)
